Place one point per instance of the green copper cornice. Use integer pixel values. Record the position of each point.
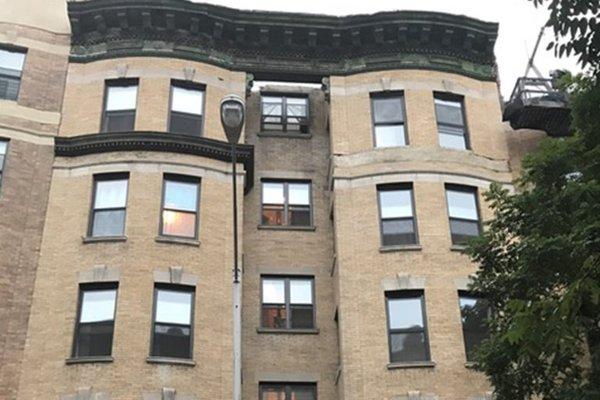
(291, 46)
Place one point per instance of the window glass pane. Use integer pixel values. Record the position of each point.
(462, 231)
(452, 141)
(405, 313)
(398, 232)
(274, 316)
(3, 145)
(111, 194)
(173, 307)
(408, 347)
(119, 121)
(299, 193)
(98, 305)
(389, 136)
(272, 193)
(109, 223)
(186, 124)
(300, 291)
(94, 339)
(388, 109)
(187, 100)
(121, 98)
(179, 223)
(462, 204)
(395, 203)
(171, 341)
(303, 393)
(181, 195)
(272, 215)
(474, 312)
(296, 107)
(272, 105)
(1, 163)
(449, 112)
(273, 291)
(299, 216)
(301, 317)
(11, 60)
(297, 101)
(272, 393)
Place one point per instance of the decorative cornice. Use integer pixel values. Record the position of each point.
(291, 46)
(156, 141)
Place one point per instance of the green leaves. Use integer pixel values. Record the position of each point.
(574, 24)
(539, 263)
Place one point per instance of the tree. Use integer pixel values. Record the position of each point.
(540, 253)
(576, 26)
(540, 266)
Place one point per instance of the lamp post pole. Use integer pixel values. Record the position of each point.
(236, 279)
(232, 119)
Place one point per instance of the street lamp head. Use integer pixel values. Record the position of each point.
(232, 117)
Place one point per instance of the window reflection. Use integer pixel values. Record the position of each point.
(180, 206)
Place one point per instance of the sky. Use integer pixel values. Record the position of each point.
(519, 20)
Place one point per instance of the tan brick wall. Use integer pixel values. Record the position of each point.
(363, 272)
(291, 356)
(84, 95)
(64, 255)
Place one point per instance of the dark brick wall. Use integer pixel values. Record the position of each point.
(23, 200)
(43, 81)
(289, 356)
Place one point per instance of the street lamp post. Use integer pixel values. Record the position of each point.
(232, 119)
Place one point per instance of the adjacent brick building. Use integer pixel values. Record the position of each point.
(362, 178)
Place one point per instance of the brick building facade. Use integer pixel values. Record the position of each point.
(362, 176)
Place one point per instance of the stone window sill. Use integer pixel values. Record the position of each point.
(287, 228)
(458, 247)
(412, 364)
(171, 361)
(406, 247)
(284, 135)
(89, 360)
(101, 239)
(177, 240)
(312, 331)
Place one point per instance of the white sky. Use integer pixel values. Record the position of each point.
(519, 20)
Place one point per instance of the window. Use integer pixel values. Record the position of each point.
(119, 105)
(288, 303)
(449, 111)
(388, 120)
(463, 213)
(3, 150)
(396, 209)
(474, 312)
(11, 66)
(173, 321)
(286, 203)
(179, 215)
(291, 391)
(95, 320)
(187, 107)
(109, 205)
(407, 333)
(285, 114)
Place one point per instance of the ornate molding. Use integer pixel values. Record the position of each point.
(156, 141)
(290, 46)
